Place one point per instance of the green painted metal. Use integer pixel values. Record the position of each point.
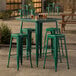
(56, 38)
(53, 8)
(32, 11)
(28, 31)
(21, 26)
(48, 9)
(45, 54)
(26, 11)
(53, 31)
(21, 49)
(57, 8)
(39, 20)
(9, 52)
(21, 15)
(19, 37)
(18, 41)
(66, 53)
(25, 7)
(62, 48)
(54, 51)
(37, 41)
(52, 4)
(38, 32)
(58, 47)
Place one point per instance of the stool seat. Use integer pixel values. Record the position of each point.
(56, 35)
(18, 34)
(28, 29)
(59, 35)
(50, 29)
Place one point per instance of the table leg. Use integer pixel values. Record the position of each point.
(40, 33)
(21, 49)
(21, 26)
(37, 41)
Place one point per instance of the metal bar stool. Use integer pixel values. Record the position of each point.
(19, 37)
(56, 38)
(52, 31)
(28, 31)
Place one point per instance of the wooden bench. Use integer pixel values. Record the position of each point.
(64, 22)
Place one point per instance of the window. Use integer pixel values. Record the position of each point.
(38, 5)
(14, 6)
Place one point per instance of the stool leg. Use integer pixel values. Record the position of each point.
(27, 48)
(30, 48)
(52, 46)
(18, 53)
(21, 50)
(30, 59)
(55, 54)
(9, 52)
(66, 53)
(59, 50)
(62, 47)
(52, 32)
(30, 38)
(27, 44)
(45, 53)
(44, 42)
(40, 27)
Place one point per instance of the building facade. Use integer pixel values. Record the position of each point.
(14, 5)
(2, 5)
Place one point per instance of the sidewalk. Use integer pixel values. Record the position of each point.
(25, 69)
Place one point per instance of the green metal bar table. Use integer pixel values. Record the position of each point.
(38, 32)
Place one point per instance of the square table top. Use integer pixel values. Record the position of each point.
(38, 20)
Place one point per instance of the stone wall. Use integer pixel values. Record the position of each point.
(2, 5)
